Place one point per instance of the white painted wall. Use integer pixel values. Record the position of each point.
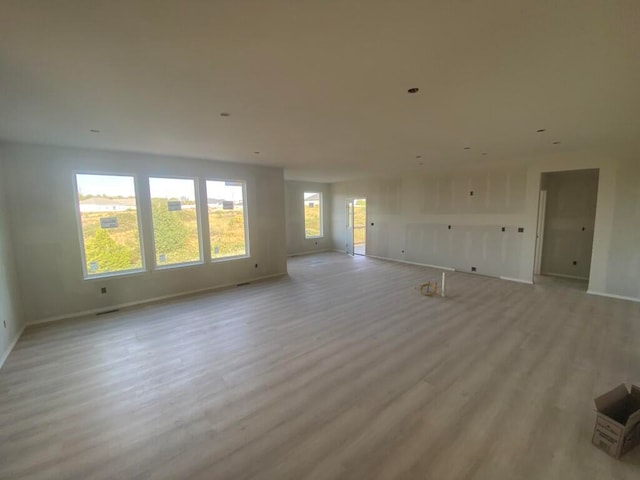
(413, 214)
(297, 244)
(623, 257)
(47, 245)
(411, 218)
(10, 308)
(569, 221)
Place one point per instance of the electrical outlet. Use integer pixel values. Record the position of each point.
(103, 290)
(471, 193)
(504, 229)
(520, 229)
(473, 269)
(256, 265)
(575, 262)
(449, 227)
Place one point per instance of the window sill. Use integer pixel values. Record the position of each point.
(124, 273)
(178, 265)
(229, 259)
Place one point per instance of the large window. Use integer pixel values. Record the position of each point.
(227, 218)
(108, 213)
(176, 235)
(312, 214)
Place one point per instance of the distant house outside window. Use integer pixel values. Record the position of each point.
(109, 224)
(312, 214)
(227, 211)
(176, 232)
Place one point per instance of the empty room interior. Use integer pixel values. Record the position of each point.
(269, 239)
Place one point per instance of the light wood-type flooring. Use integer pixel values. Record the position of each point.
(340, 370)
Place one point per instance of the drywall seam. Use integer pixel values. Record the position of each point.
(439, 267)
(149, 300)
(309, 252)
(13, 344)
(612, 295)
(519, 280)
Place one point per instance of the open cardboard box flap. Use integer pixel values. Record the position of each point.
(617, 427)
(611, 398)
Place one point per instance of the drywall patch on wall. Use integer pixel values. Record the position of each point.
(488, 192)
(389, 197)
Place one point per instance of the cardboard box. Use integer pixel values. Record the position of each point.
(617, 427)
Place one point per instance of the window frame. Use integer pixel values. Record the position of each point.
(83, 255)
(245, 214)
(196, 192)
(320, 215)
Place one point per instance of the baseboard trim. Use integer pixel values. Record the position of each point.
(93, 311)
(5, 355)
(309, 252)
(613, 295)
(562, 275)
(439, 267)
(519, 280)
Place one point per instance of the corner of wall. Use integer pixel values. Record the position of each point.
(11, 314)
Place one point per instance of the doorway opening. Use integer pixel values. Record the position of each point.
(356, 226)
(360, 226)
(566, 221)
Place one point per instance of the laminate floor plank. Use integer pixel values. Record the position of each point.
(340, 370)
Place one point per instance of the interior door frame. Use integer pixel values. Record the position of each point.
(542, 211)
(349, 212)
(366, 215)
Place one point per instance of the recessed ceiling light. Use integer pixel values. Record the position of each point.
(467, 148)
(413, 90)
(225, 114)
(541, 130)
(556, 143)
(93, 130)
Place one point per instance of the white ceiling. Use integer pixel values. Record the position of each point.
(320, 87)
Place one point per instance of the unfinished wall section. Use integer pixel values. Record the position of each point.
(464, 221)
(411, 217)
